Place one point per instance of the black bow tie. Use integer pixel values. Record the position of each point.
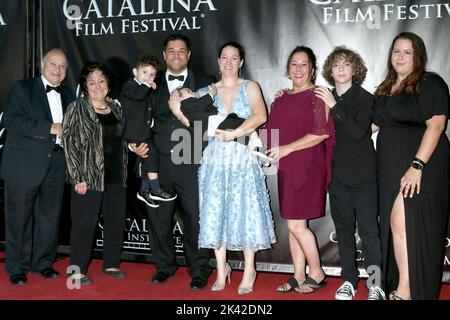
(179, 78)
(50, 88)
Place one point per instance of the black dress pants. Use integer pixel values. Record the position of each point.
(351, 204)
(85, 210)
(183, 179)
(32, 215)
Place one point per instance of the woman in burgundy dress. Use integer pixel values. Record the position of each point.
(304, 146)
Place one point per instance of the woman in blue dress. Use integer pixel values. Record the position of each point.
(234, 202)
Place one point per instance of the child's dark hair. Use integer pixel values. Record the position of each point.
(145, 60)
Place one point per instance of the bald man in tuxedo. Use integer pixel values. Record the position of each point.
(33, 169)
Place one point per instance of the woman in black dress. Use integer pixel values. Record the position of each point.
(411, 112)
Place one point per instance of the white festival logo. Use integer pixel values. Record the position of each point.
(378, 11)
(133, 16)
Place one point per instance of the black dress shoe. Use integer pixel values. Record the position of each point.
(80, 279)
(85, 281)
(160, 277)
(47, 273)
(115, 273)
(198, 283)
(18, 279)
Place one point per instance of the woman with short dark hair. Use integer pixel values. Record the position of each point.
(304, 151)
(96, 155)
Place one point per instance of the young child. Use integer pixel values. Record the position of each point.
(137, 102)
(199, 106)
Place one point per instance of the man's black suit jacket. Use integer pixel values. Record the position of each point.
(166, 123)
(29, 144)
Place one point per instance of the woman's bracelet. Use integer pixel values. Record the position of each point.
(420, 161)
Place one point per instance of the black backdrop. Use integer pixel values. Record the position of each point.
(117, 31)
(13, 61)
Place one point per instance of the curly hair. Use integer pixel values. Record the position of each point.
(342, 53)
(411, 83)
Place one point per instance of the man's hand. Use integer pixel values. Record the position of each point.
(141, 150)
(183, 119)
(175, 107)
(57, 129)
(175, 102)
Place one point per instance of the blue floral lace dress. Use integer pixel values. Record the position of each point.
(234, 200)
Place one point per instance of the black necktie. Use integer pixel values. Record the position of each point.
(50, 88)
(172, 77)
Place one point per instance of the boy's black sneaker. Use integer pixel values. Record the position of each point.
(162, 195)
(144, 196)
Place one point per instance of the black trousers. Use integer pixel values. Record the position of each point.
(351, 204)
(149, 164)
(85, 210)
(32, 215)
(183, 180)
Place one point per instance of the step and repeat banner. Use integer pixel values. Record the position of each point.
(13, 64)
(115, 32)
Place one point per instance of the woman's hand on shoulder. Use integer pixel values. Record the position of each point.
(325, 95)
(279, 93)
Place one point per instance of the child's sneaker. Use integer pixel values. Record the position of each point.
(376, 293)
(145, 197)
(162, 195)
(345, 292)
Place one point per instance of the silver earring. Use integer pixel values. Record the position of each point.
(239, 73)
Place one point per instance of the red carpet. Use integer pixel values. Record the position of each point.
(137, 286)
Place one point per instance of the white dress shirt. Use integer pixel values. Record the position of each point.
(172, 85)
(54, 101)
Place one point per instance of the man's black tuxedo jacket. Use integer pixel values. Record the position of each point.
(166, 122)
(29, 144)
